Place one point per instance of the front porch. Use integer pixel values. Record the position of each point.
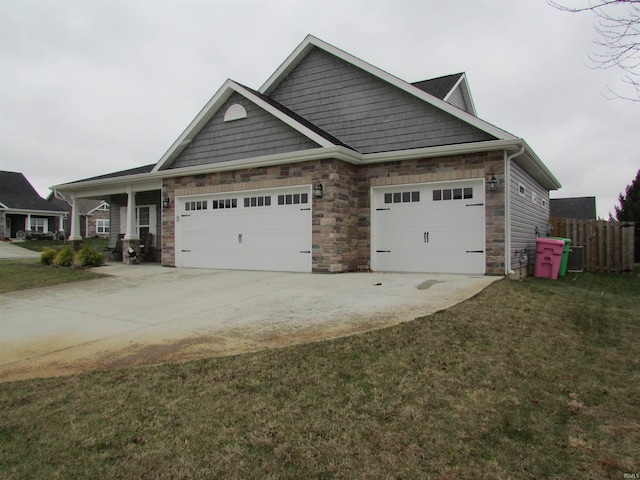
(24, 224)
(135, 217)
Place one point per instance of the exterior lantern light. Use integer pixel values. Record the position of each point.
(493, 183)
(317, 190)
(166, 202)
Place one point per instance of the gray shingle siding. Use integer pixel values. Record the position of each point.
(260, 133)
(457, 99)
(526, 215)
(364, 111)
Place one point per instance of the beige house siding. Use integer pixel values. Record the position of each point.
(91, 222)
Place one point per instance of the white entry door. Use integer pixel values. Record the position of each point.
(436, 227)
(256, 230)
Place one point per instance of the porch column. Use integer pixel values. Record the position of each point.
(74, 235)
(61, 226)
(130, 227)
(27, 227)
(130, 240)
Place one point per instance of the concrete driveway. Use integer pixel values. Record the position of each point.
(148, 314)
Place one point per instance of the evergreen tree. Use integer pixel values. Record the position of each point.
(629, 209)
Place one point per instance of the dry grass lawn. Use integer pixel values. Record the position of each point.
(533, 379)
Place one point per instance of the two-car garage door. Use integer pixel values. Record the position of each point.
(435, 227)
(258, 230)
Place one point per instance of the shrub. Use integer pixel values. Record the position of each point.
(47, 255)
(63, 258)
(88, 257)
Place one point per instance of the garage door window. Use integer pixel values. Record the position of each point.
(257, 201)
(199, 205)
(225, 203)
(401, 197)
(293, 199)
(452, 194)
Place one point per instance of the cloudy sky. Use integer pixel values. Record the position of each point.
(91, 87)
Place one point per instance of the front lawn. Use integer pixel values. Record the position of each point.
(533, 379)
(22, 274)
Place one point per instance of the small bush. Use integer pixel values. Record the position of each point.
(47, 255)
(88, 257)
(63, 258)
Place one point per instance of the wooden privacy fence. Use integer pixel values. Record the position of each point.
(607, 246)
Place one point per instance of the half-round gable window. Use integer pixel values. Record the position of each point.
(235, 112)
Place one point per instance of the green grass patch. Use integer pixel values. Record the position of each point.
(22, 274)
(533, 379)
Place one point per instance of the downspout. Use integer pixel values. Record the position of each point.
(507, 208)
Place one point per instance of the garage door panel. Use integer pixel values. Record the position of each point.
(429, 233)
(264, 237)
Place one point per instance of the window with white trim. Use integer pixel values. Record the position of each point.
(39, 225)
(143, 221)
(102, 226)
(521, 189)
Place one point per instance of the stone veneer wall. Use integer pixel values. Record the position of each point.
(341, 220)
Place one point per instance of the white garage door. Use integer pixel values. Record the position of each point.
(436, 227)
(257, 230)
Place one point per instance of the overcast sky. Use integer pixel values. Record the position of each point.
(92, 87)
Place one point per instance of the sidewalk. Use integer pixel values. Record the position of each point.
(12, 250)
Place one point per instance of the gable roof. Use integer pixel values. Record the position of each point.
(316, 135)
(439, 87)
(445, 88)
(85, 205)
(311, 42)
(583, 208)
(17, 193)
(321, 139)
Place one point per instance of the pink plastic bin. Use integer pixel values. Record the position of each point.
(548, 257)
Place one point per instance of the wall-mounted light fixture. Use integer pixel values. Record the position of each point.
(493, 183)
(317, 190)
(166, 202)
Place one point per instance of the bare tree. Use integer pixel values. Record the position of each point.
(617, 40)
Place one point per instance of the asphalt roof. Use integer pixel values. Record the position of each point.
(577, 207)
(16, 192)
(301, 120)
(438, 87)
(121, 173)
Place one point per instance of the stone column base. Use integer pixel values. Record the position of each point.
(131, 259)
(75, 245)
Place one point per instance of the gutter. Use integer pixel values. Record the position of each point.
(507, 208)
(337, 152)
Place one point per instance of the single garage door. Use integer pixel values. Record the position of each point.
(256, 230)
(436, 227)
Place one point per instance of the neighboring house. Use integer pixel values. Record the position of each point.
(335, 165)
(24, 213)
(583, 208)
(94, 214)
